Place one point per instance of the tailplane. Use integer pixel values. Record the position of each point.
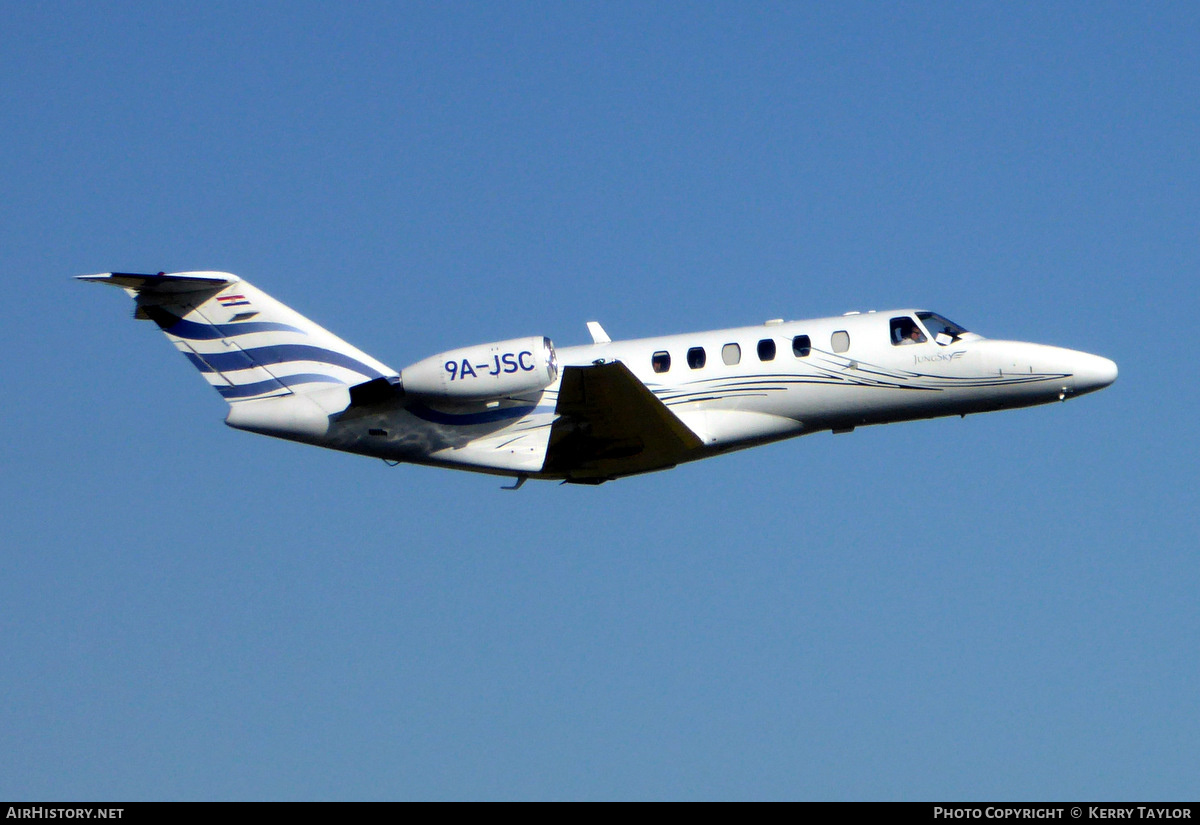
(246, 344)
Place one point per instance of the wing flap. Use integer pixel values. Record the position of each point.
(610, 424)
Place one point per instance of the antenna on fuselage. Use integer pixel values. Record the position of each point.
(599, 336)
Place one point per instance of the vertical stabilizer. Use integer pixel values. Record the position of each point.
(247, 345)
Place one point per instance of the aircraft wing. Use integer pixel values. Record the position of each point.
(609, 424)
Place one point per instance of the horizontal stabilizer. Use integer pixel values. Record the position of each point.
(161, 282)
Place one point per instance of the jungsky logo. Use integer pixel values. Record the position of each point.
(941, 356)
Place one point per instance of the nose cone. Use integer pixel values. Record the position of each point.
(1092, 372)
(1057, 372)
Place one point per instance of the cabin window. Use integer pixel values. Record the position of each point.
(801, 346)
(661, 361)
(840, 341)
(731, 354)
(766, 349)
(906, 332)
(696, 357)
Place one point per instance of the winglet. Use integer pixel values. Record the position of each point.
(599, 336)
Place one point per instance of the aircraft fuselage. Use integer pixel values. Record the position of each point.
(601, 411)
(737, 388)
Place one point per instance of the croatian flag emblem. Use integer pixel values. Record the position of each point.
(233, 301)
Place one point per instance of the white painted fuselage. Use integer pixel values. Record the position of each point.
(753, 399)
(600, 411)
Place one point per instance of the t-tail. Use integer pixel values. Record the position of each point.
(252, 349)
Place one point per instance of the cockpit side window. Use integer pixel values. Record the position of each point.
(906, 331)
(943, 330)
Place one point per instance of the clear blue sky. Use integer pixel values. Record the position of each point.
(190, 612)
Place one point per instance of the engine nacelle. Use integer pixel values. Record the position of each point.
(516, 367)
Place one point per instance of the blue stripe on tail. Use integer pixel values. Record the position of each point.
(261, 387)
(279, 354)
(193, 331)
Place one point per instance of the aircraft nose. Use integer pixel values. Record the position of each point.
(1093, 372)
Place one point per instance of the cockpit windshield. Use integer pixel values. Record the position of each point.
(943, 330)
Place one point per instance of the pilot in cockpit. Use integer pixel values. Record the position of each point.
(913, 336)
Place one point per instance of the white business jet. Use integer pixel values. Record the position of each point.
(592, 413)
